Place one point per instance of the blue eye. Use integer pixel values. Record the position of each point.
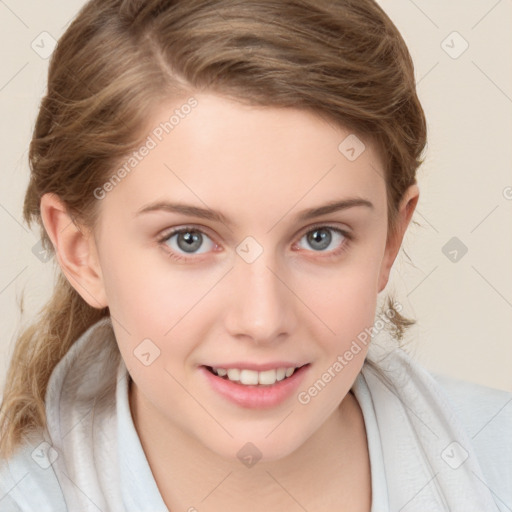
(188, 240)
(321, 237)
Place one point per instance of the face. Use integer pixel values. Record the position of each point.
(262, 284)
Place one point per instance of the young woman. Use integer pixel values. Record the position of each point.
(226, 186)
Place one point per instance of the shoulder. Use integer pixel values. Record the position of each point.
(27, 479)
(484, 411)
(486, 415)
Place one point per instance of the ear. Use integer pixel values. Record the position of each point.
(75, 249)
(393, 244)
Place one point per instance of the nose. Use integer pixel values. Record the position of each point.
(261, 304)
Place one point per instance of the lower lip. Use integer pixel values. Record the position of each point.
(256, 397)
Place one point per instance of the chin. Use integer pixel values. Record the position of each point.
(250, 449)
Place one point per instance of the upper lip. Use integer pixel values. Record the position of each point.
(257, 367)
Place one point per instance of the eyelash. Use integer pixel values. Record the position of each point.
(178, 257)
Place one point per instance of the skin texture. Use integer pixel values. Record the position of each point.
(296, 302)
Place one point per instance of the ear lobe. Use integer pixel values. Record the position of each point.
(75, 250)
(406, 209)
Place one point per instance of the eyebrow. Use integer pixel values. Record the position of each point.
(213, 215)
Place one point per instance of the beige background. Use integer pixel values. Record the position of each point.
(463, 308)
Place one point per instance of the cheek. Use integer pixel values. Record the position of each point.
(147, 293)
(348, 310)
(153, 299)
(133, 289)
(345, 297)
(148, 302)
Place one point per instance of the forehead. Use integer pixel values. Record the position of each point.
(252, 159)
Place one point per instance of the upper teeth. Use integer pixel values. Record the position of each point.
(248, 377)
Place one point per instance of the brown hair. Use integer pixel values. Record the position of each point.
(119, 59)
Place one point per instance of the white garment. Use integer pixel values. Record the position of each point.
(435, 444)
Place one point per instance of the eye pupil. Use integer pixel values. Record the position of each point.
(192, 241)
(322, 236)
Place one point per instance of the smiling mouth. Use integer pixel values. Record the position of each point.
(247, 377)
